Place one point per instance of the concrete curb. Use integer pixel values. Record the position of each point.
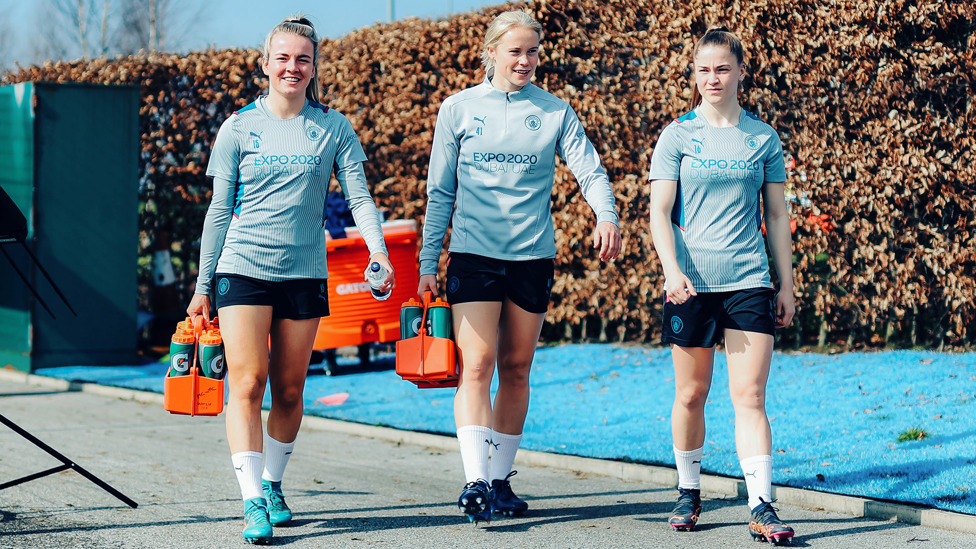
(663, 476)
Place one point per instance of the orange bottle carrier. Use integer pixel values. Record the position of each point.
(425, 360)
(193, 394)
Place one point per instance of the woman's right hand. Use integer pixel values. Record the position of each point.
(679, 288)
(428, 283)
(199, 305)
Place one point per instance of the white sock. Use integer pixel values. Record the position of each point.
(474, 441)
(276, 456)
(758, 472)
(247, 465)
(689, 467)
(503, 450)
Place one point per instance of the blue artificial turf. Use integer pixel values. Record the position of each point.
(836, 419)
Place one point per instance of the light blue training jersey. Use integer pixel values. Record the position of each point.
(492, 165)
(271, 178)
(717, 214)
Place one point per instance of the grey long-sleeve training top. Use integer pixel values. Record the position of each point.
(494, 158)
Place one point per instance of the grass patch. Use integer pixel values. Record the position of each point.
(915, 433)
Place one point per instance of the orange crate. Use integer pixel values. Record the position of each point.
(356, 317)
(193, 394)
(427, 361)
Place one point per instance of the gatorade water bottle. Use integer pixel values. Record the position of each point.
(439, 319)
(181, 351)
(185, 325)
(375, 275)
(211, 354)
(411, 314)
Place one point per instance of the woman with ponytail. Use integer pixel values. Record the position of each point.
(716, 173)
(262, 254)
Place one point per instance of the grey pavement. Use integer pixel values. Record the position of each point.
(360, 486)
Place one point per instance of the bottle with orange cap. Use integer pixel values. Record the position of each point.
(181, 348)
(439, 323)
(411, 314)
(210, 351)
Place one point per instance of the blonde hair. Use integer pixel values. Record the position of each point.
(716, 35)
(299, 25)
(505, 22)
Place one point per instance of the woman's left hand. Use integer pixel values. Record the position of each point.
(384, 261)
(785, 307)
(606, 236)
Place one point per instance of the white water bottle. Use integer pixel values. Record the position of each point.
(375, 275)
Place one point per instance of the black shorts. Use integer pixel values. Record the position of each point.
(477, 278)
(288, 299)
(702, 320)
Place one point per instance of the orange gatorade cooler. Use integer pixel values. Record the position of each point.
(355, 317)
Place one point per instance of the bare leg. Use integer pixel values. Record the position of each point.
(291, 348)
(245, 329)
(692, 381)
(749, 355)
(476, 333)
(518, 337)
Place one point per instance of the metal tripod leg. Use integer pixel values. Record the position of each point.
(48, 277)
(26, 282)
(67, 464)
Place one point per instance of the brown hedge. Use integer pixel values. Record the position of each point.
(874, 100)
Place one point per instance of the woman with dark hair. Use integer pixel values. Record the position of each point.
(263, 254)
(716, 172)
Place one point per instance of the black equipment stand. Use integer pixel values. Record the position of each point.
(13, 228)
(66, 464)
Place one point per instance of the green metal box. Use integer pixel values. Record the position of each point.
(69, 158)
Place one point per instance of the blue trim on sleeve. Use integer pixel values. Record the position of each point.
(238, 197)
(678, 210)
(758, 209)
